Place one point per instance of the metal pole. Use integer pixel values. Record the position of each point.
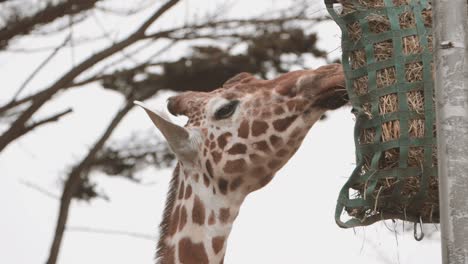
(451, 85)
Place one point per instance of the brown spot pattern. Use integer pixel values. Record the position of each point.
(275, 140)
(192, 253)
(243, 131)
(211, 218)
(297, 132)
(175, 220)
(283, 124)
(216, 156)
(274, 164)
(256, 158)
(198, 211)
(181, 191)
(238, 148)
(224, 215)
(223, 139)
(279, 110)
(212, 145)
(209, 168)
(206, 180)
(282, 153)
(217, 243)
(222, 185)
(183, 218)
(233, 166)
(265, 180)
(262, 146)
(291, 105)
(259, 127)
(258, 171)
(235, 183)
(188, 192)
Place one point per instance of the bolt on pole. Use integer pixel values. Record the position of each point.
(451, 86)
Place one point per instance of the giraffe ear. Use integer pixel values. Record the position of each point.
(178, 138)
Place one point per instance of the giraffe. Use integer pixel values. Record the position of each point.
(236, 138)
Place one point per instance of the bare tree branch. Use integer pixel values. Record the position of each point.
(21, 101)
(139, 34)
(25, 129)
(53, 118)
(25, 25)
(12, 133)
(74, 180)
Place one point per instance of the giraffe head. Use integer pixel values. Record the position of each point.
(236, 138)
(241, 134)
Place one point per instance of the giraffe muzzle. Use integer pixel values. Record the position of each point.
(325, 87)
(332, 100)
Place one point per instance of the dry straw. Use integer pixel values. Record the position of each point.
(389, 104)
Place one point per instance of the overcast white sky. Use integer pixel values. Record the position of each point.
(289, 221)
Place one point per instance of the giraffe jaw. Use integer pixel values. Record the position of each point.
(332, 99)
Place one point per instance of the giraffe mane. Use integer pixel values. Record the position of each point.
(161, 249)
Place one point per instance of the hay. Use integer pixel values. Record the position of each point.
(409, 186)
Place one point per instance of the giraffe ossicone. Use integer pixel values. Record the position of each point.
(236, 138)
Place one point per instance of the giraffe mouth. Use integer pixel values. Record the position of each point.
(332, 99)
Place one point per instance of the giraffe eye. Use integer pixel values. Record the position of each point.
(226, 110)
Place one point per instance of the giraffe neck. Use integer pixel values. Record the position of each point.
(197, 219)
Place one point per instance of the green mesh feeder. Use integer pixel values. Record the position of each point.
(387, 59)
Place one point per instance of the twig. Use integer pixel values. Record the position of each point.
(111, 40)
(104, 231)
(139, 7)
(140, 49)
(72, 41)
(39, 68)
(13, 104)
(20, 131)
(53, 118)
(229, 24)
(39, 189)
(76, 42)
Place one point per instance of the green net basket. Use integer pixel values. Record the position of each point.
(387, 59)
